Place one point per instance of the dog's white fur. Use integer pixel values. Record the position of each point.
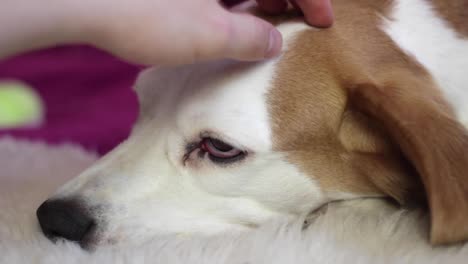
(145, 188)
(362, 231)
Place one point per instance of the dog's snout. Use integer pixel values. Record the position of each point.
(65, 219)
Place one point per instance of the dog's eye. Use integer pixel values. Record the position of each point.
(221, 152)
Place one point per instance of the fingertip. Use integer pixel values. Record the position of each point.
(318, 13)
(321, 20)
(253, 38)
(275, 43)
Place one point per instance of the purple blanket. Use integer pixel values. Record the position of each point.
(87, 94)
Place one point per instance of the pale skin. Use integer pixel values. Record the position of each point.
(150, 31)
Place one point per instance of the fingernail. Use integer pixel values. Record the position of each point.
(324, 17)
(328, 15)
(274, 44)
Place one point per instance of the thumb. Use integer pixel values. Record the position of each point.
(251, 38)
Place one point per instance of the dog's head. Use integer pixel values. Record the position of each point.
(227, 145)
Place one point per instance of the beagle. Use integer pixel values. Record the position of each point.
(375, 106)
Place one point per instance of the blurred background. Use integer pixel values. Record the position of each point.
(69, 94)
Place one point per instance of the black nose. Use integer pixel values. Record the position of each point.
(64, 219)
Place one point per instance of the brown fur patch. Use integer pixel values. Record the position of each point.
(321, 122)
(350, 108)
(455, 12)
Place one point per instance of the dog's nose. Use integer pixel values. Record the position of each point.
(64, 219)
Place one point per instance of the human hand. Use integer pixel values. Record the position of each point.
(178, 31)
(150, 31)
(317, 13)
(185, 31)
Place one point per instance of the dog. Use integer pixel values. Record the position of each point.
(373, 107)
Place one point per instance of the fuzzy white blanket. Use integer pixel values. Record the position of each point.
(362, 231)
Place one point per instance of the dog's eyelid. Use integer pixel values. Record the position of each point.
(204, 146)
(223, 138)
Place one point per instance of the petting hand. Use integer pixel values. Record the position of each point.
(150, 31)
(318, 13)
(185, 31)
(179, 31)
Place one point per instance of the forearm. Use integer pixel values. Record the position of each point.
(32, 24)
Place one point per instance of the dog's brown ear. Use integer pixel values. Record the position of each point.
(418, 119)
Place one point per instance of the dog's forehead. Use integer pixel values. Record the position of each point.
(227, 98)
(234, 104)
(224, 97)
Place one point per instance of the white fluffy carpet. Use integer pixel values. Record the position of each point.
(369, 231)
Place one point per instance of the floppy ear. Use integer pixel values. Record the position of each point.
(418, 119)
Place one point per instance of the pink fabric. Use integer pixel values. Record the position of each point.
(87, 93)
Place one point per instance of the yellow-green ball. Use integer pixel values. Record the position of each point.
(20, 105)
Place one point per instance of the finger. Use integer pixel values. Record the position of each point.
(294, 4)
(318, 13)
(273, 7)
(230, 3)
(252, 38)
(232, 35)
